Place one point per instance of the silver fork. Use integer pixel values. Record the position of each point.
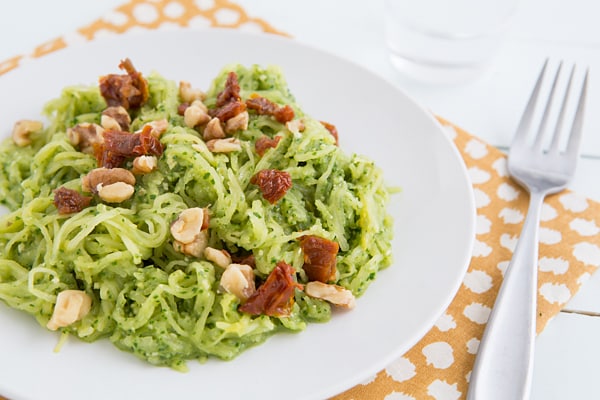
(504, 365)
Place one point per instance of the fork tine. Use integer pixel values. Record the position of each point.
(577, 128)
(561, 116)
(542, 129)
(527, 116)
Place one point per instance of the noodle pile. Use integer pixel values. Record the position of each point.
(147, 298)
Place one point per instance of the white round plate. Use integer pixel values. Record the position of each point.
(434, 228)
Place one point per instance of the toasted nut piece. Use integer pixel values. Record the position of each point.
(295, 126)
(144, 164)
(206, 220)
(224, 145)
(199, 147)
(22, 129)
(115, 118)
(219, 257)
(213, 130)
(199, 103)
(195, 248)
(188, 225)
(194, 116)
(189, 94)
(238, 279)
(238, 122)
(115, 192)
(178, 246)
(109, 123)
(106, 176)
(332, 293)
(71, 306)
(85, 135)
(159, 127)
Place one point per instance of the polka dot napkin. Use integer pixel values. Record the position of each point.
(438, 367)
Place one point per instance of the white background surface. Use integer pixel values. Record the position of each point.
(568, 352)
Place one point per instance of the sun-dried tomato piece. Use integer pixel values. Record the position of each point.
(284, 114)
(229, 103)
(273, 184)
(230, 92)
(264, 106)
(107, 159)
(69, 201)
(319, 258)
(333, 130)
(128, 90)
(148, 143)
(119, 146)
(264, 142)
(228, 111)
(275, 297)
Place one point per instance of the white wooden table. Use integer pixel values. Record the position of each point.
(568, 351)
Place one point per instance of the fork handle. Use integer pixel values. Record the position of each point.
(504, 364)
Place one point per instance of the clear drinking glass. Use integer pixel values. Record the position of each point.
(445, 40)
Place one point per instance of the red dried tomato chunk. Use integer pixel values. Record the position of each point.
(264, 106)
(107, 159)
(319, 258)
(264, 142)
(119, 146)
(148, 143)
(129, 91)
(332, 129)
(273, 184)
(231, 92)
(275, 297)
(69, 201)
(229, 103)
(228, 111)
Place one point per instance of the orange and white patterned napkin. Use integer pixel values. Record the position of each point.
(438, 367)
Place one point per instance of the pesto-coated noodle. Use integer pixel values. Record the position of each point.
(148, 298)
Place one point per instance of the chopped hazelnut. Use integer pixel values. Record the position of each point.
(239, 122)
(189, 94)
(334, 294)
(106, 176)
(159, 127)
(70, 307)
(295, 126)
(199, 103)
(219, 257)
(115, 118)
(238, 279)
(194, 116)
(188, 225)
(22, 129)
(85, 135)
(213, 130)
(194, 248)
(115, 192)
(224, 145)
(144, 164)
